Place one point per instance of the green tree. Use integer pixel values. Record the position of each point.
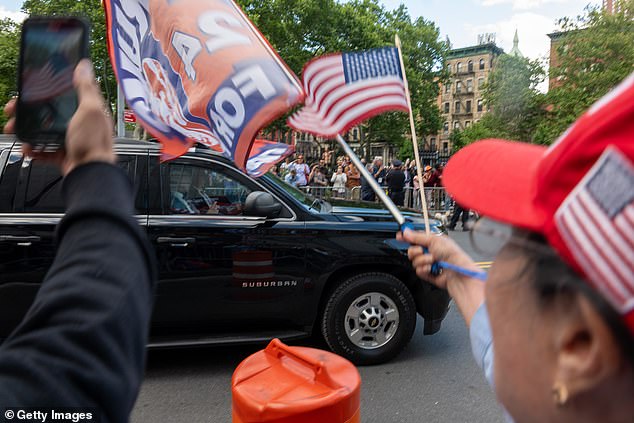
(511, 93)
(594, 55)
(9, 52)
(488, 127)
(515, 102)
(93, 11)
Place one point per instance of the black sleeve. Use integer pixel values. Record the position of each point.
(82, 342)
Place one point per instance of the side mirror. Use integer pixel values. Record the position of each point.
(260, 203)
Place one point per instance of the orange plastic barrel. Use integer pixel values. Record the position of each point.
(283, 384)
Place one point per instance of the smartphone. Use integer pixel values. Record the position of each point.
(50, 49)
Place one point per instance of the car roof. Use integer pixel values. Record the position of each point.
(130, 144)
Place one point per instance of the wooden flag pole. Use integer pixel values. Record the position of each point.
(419, 169)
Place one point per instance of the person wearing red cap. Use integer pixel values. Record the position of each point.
(553, 326)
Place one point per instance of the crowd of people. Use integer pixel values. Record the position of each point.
(344, 180)
(398, 179)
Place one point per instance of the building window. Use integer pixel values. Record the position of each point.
(449, 67)
(458, 87)
(445, 128)
(470, 66)
(456, 125)
(458, 67)
(467, 106)
(480, 105)
(432, 144)
(447, 107)
(355, 134)
(491, 63)
(481, 64)
(457, 107)
(469, 85)
(448, 87)
(445, 147)
(480, 82)
(467, 124)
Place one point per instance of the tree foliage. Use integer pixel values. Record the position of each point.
(511, 93)
(9, 46)
(515, 102)
(595, 53)
(488, 127)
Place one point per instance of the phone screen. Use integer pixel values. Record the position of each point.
(47, 100)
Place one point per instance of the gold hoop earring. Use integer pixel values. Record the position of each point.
(560, 394)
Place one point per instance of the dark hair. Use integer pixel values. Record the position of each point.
(554, 279)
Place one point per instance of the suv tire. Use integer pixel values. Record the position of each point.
(369, 318)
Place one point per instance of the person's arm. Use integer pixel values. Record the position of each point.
(82, 342)
(468, 293)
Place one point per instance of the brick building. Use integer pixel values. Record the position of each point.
(460, 100)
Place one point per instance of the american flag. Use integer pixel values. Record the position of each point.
(46, 82)
(597, 225)
(346, 88)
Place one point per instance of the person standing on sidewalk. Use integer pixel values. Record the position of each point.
(395, 179)
(457, 213)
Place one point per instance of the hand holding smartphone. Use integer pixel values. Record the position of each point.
(50, 50)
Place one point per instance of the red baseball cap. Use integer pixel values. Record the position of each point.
(578, 193)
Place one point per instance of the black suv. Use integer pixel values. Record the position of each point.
(241, 259)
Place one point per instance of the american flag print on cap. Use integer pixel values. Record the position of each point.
(346, 88)
(597, 225)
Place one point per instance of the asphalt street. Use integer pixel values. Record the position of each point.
(435, 379)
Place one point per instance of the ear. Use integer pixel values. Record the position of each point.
(587, 353)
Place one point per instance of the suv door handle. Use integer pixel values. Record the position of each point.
(23, 241)
(176, 242)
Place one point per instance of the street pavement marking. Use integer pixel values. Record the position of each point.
(484, 264)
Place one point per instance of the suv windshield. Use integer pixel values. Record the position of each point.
(306, 199)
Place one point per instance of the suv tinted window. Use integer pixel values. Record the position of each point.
(44, 185)
(9, 179)
(201, 190)
(43, 189)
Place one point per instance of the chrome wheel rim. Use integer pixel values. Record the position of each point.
(371, 320)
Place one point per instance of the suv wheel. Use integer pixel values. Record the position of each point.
(369, 318)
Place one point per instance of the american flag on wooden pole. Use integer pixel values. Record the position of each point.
(345, 89)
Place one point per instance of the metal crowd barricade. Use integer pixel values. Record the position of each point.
(318, 192)
(437, 199)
